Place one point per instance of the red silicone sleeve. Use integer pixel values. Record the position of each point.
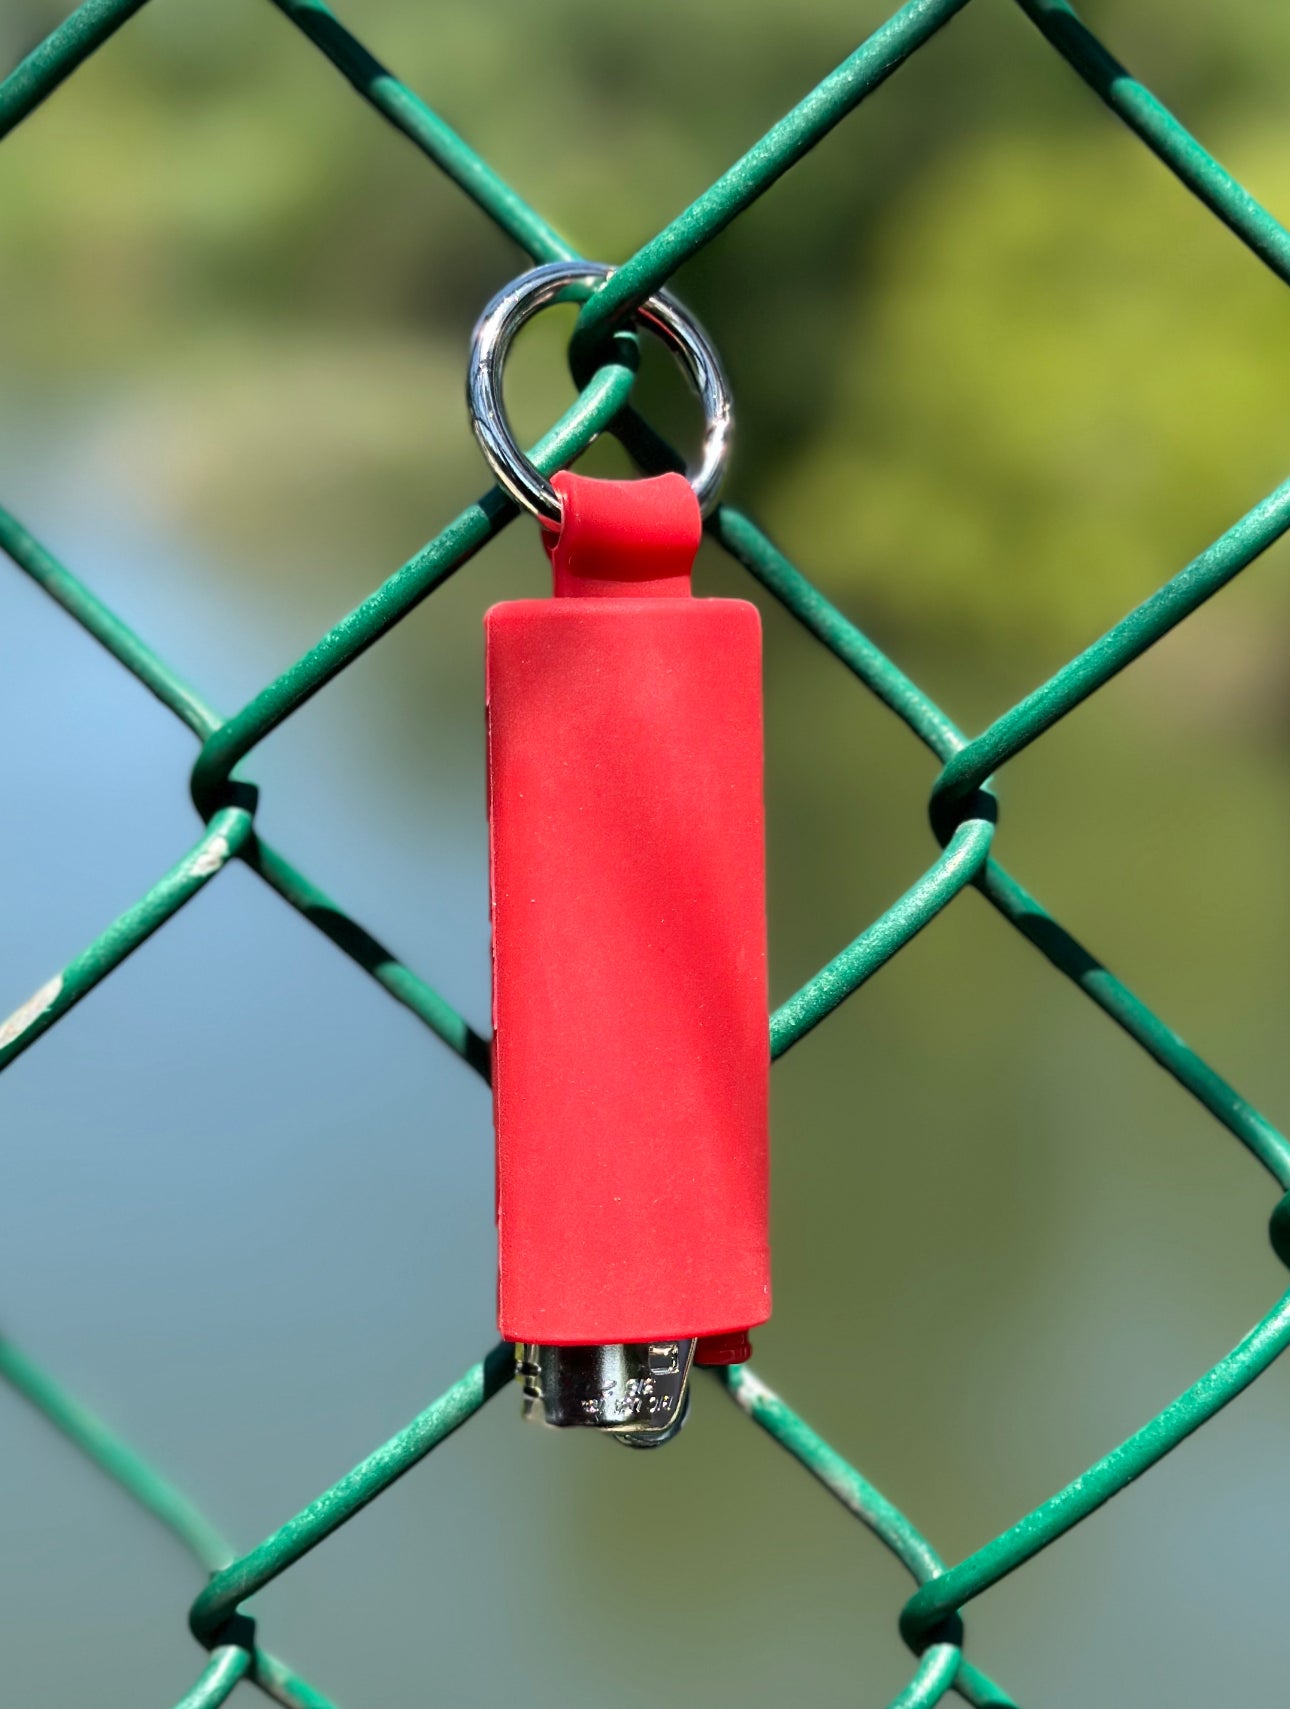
(631, 1049)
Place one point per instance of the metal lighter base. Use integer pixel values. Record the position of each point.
(635, 1391)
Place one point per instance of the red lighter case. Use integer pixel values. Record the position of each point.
(631, 1054)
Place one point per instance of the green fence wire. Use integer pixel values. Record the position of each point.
(962, 814)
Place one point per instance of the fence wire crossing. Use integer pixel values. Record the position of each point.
(962, 814)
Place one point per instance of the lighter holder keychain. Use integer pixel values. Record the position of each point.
(627, 883)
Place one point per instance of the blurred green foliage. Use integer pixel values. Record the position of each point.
(997, 378)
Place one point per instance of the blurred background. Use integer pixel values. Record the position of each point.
(997, 376)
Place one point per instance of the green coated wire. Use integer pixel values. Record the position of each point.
(371, 1477)
(47, 65)
(222, 839)
(1085, 1494)
(1092, 669)
(403, 985)
(838, 95)
(424, 128)
(117, 1458)
(170, 1506)
(962, 807)
(925, 719)
(601, 400)
(1151, 120)
(229, 830)
(868, 1504)
(106, 627)
(228, 1665)
(959, 865)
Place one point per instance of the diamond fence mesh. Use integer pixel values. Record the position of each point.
(962, 814)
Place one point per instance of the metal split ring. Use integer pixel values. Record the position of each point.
(661, 313)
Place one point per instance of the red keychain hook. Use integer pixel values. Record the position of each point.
(627, 883)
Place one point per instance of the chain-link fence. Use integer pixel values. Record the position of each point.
(962, 812)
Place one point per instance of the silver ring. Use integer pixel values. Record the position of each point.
(661, 313)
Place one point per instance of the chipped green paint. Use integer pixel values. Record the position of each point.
(226, 834)
(963, 816)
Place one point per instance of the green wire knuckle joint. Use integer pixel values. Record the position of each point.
(212, 1613)
(1279, 1229)
(603, 359)
(1092, 669)
(952, 804)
